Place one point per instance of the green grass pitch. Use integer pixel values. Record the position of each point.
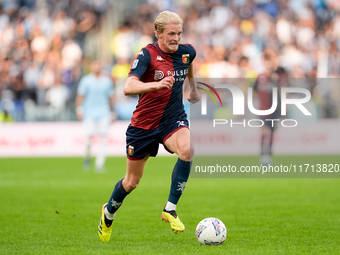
(51, 206)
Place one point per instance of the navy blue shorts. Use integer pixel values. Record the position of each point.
(141, 142)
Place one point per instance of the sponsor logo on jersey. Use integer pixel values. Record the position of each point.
(185, 58)
(131, 150)
(158, 75)
(178, 72)
(135, 63)
(141, 53)
(159, 58)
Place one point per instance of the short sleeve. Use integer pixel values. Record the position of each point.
(140, 64)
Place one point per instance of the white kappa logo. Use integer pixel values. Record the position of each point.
(159, 58)
(141, 53)
(158, 75)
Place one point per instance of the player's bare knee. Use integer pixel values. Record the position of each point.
(186, 153)
(130, 185)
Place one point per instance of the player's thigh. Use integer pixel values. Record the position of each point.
(267, 129)
(90, 127)
(179, 142)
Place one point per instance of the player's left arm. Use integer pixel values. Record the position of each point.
(81, 92)
(194, 96)
(79, 109)
(111, 102)
(112, 99)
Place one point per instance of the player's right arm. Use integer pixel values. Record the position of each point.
(133, 86)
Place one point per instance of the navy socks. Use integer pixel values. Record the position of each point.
(179, 179)
(117, 197)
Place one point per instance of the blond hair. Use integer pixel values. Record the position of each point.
(165, 18)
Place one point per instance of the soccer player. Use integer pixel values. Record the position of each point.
(157, 76)
(94, 104)
(274, 76)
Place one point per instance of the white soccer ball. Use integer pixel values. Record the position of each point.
(211, 231)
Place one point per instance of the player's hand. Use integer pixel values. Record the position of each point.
(194, 96)
(79, 112)
(166, 83)
(113, 117)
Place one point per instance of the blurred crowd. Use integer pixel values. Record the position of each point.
(41, 52)
(42, 43)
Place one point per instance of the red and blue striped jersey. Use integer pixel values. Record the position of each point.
(157, 107)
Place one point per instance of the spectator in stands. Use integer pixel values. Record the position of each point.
(58, 95)
(305, 34)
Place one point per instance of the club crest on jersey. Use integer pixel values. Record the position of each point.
(131, 150)
(158, 75)
(185, 58)
(135, 63)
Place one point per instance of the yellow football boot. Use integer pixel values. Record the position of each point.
(104, 231)
(175, 223)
